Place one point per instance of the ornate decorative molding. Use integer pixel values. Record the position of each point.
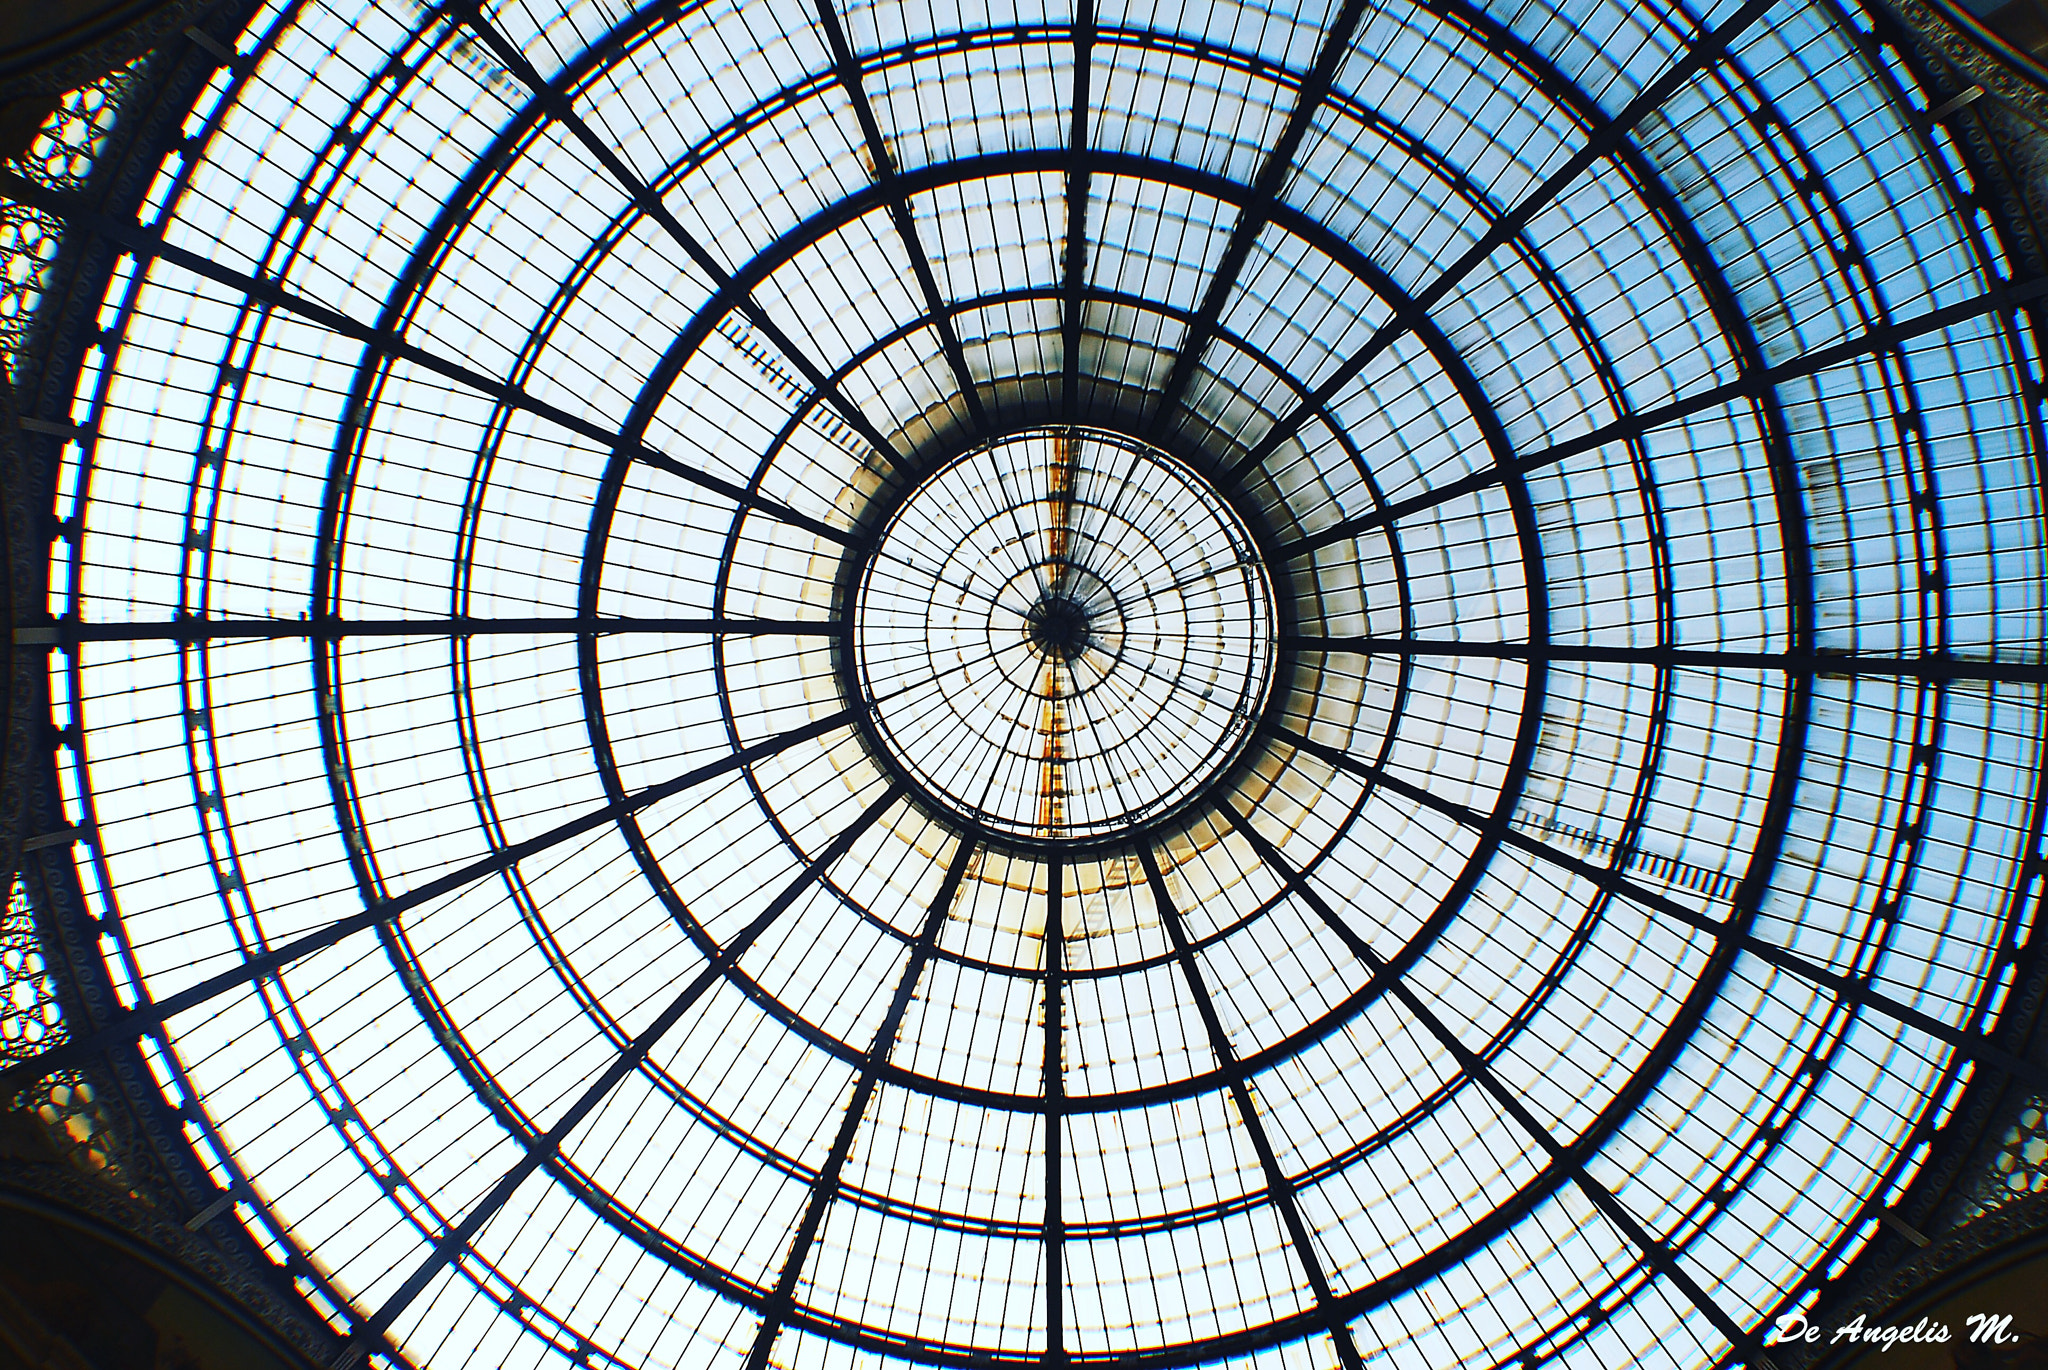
(160, 1186)
(1977, 1249)
(1970, 55)
(62, 1194)
(61, 67)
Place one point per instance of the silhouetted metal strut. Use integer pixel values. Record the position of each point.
(1931, 666)
(1074, 250)
(825, 1187)
(133, 237)
(558, 108)
(848, 69)
(1054, 1075)
(67, 631)
(1612, 879)
(1279, 1189)
(1253, 216)
(542, 1150)
(1754, 385)
(131, 1024)
(1566, 1158)
(1606, 140)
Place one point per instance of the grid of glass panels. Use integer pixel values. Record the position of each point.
(1657, 614)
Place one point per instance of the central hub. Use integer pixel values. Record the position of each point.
(1063, 635)
(1057, 627)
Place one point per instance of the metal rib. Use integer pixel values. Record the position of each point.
(1252, 218)
(826, 1185)
(143, 1018)
(543, 1149)
(1753, 385)
(1973, 1045)
(133, 237)
(67, 631)
(1278, 1188)
(848, 70)
(1567, 1159)
(1073, 288)
(559, 109)
(1054, 1074)
(1606, 140)
(1933, 666)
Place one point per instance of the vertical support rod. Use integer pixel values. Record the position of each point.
(1055, 1113)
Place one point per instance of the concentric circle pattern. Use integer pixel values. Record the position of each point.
(1064, 636)
(816, 685)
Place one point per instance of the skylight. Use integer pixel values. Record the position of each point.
(764, 684)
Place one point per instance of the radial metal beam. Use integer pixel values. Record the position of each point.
(1055, 1078)
(543, 1149)
(557, 107)
(738, 494)
(825, 1187)
(1605, 141)
(1752, 386)
(848, 69)
(67, 631)
(1854, 989)
(1074, 253)
(1251, 219)
(1930, 667)
(1279, 1189)
(1568, 1158)
(130, 1024)
(134, 238)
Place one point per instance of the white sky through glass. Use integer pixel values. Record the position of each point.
(1540, 721)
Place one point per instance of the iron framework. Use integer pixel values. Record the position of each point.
(1571, 831)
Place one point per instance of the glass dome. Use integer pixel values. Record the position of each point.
(757, 684)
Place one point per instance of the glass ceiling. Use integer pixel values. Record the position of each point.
(763, 684)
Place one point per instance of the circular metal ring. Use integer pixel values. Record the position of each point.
(1062, 636)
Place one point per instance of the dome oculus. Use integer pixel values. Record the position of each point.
(1063, 635)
